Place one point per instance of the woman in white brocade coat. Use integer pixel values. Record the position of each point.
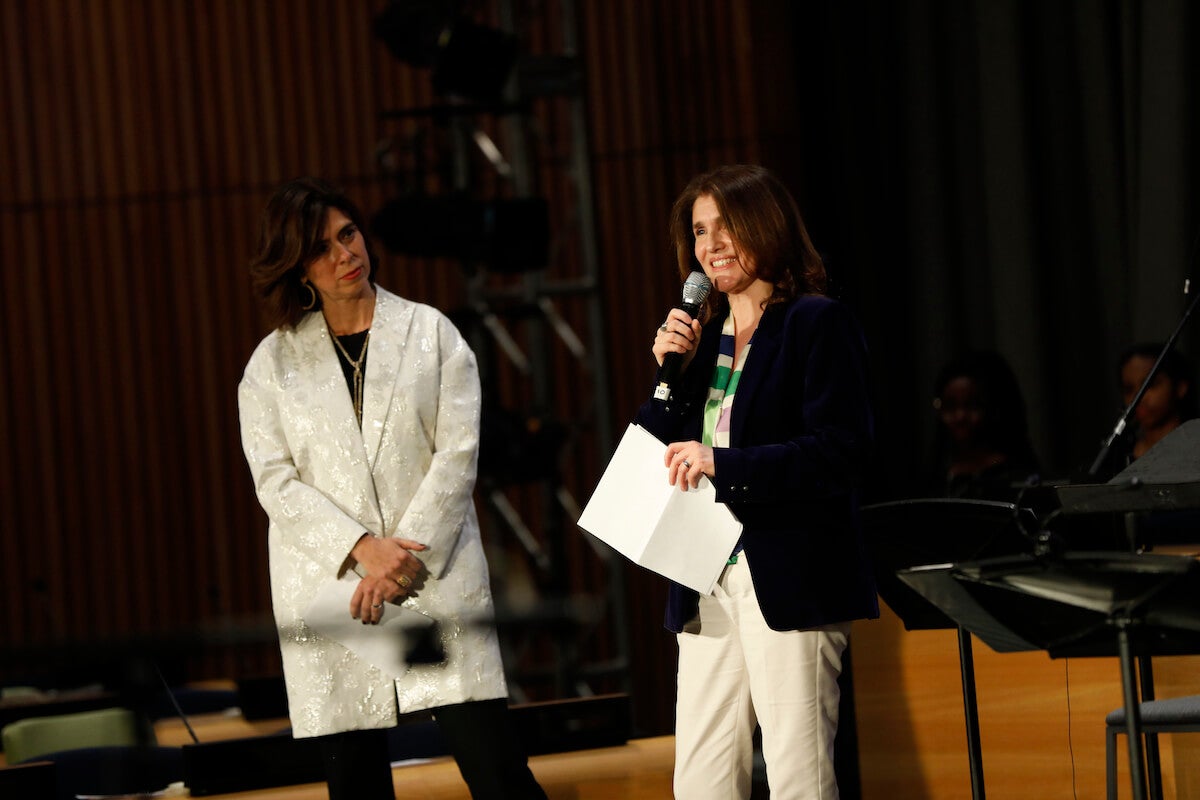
(360, 425)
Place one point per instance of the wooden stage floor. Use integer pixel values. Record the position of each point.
(638, 770)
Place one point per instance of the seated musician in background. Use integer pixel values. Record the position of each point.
(1169, 400)
(981, 448)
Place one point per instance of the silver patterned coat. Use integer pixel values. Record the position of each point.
(408, 472)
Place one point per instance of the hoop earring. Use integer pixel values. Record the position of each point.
(312, 297)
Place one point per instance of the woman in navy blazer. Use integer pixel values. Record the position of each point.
(773, 407)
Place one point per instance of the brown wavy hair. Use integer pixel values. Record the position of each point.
(762, 217)
(289, 234)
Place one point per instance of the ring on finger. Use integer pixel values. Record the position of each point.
(687, 463)
(663, 327)
(404, 581)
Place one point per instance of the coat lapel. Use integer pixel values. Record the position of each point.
(389, 335)
(314, 346)
(763, 350)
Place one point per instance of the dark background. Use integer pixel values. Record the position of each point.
(984, 173)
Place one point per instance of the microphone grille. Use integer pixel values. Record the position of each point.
(696, 288)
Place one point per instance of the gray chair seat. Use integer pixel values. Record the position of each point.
(1172, 715)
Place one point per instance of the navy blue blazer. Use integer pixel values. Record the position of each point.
(800, 443)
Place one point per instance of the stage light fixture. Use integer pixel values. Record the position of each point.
(467, 59)
(411, 29)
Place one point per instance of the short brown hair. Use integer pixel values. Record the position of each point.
(290, 230)
(763, 219)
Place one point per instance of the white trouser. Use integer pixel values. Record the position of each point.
(734, 673)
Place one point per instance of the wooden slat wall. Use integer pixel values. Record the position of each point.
(140, 140)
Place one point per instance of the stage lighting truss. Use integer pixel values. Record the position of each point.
(466, 196)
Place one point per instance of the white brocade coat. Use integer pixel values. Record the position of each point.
(409, 472)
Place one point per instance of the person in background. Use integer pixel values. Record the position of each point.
(360, 424)
(981, 447)
(773, 407)
(1169, 400)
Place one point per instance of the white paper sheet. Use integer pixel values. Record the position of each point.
(684, 536)
(385, 645)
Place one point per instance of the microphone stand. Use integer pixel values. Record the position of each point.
(1118, 429)
(1151, 766)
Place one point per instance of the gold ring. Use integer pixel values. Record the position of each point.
(404, 581)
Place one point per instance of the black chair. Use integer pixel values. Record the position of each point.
(32, 781)
(111, 771)
(1174, 715)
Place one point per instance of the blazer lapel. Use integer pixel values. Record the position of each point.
(314, 346)
(763, 349)
(389, 335)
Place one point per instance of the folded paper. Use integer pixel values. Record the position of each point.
(684, 536)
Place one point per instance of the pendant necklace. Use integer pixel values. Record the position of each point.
(356, 364)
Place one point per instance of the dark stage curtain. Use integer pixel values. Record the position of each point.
(1008, 175)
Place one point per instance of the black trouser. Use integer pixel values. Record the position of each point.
(489, 756)
(478, 735)
(357, 765)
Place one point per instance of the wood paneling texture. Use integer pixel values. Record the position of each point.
(1041, 720)
(140, 140)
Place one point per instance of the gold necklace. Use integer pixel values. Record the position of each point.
(356, 365)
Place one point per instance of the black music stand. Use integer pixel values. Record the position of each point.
(1166, 478)
(1157, 499)
(911, 533)
(1070, 605)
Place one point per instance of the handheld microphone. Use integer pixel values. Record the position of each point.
(695, 292)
